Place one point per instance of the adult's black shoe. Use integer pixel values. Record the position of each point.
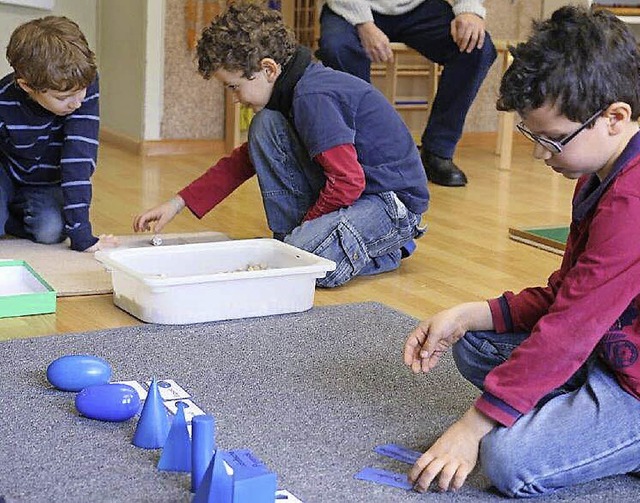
(442, 171)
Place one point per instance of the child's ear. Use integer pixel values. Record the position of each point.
(618, 115)
(271, 69)
(24, 86)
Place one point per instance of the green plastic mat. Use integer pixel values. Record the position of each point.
(552, 239)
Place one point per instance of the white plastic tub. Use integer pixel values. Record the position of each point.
(201, 282)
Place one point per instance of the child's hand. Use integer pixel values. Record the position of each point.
(104, 241)
(433, 336)
(431, 339)
(454, 455)
(161, 215)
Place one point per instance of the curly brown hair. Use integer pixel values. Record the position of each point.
(51, 53)
(241, 37)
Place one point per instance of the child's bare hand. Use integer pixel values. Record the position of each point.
(431, 338)
(435, 335)
(159, 216)
(104, 241)
(454, 455)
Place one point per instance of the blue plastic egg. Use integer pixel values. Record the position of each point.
(76, 372)
(108, 402)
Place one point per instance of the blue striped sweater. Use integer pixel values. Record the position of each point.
(38, 147)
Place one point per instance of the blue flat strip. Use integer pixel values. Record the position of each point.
(384, 477)
(399, 453)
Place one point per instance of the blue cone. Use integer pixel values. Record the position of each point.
(153, 425)
(176, 455)
(217, 484)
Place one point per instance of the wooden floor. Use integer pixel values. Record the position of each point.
(465, 255)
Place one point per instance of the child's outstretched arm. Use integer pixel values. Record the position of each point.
(452, 457)
(161, 215)
(433, 336)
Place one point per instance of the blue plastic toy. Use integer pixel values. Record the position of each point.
(203, 447)
(153, 425)
(253, 482)
(108, 402)
(176, 455)
(216, 485)
(254, 485)
(76, 372)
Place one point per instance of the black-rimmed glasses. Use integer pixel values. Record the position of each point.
(555, 146)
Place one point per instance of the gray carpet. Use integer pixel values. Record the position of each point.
(311, 394)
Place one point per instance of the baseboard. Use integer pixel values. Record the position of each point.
(149, 148)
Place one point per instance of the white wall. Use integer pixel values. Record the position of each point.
(128, 39)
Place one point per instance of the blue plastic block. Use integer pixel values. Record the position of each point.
(176, 455)
(243, 458)
(203, 447)
(153, 425)
(254, 485)
(216, 485)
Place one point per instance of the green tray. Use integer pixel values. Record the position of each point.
(23, 291)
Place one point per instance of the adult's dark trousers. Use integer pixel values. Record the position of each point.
(427, 29)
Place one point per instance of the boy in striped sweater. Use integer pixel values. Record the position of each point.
(49, 122)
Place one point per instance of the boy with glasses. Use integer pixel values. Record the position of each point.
(558, 366)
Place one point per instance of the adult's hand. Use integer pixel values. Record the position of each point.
(375, 42)
(468, 31)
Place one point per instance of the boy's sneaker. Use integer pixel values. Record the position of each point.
(408, 249)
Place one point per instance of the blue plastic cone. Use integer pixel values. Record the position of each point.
(176, 455)
(216, 485)
(153, 425)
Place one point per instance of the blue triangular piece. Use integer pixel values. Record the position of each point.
(216, 485)
(176, 455)
(153, 425)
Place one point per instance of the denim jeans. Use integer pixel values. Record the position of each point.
(364, 238)
(427, 29)
(31, 211)
(587, 429)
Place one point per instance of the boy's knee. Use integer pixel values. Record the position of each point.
(48, 228)
(266, 120)
(505, 464)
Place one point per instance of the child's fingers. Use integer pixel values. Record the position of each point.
(413, 345)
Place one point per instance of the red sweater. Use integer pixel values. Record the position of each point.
(590, 303)
(344, 185)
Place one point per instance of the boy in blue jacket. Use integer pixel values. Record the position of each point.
(338, 170)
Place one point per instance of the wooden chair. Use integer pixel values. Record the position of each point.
(430, 70)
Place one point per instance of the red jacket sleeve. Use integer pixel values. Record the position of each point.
(220, 180)
(345, 180)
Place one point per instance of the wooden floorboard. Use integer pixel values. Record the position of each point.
(465, 255)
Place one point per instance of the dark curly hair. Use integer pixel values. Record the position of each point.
(241, 37)
(579, 61)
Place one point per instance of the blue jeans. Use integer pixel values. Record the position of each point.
(427, 30)
(362, 239)
(31, 211)
(587, 429)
